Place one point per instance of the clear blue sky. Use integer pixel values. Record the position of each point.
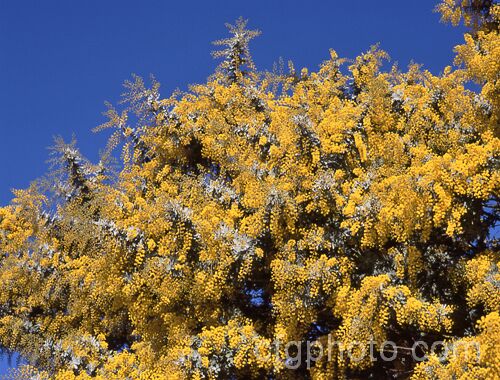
(60, 60)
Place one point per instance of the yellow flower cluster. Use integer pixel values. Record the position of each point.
(482, 275)
(471, 358)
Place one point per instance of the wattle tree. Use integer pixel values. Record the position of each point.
(272, 226)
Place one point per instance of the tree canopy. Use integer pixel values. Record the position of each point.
(259, 217)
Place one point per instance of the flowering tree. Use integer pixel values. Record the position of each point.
(329, 224)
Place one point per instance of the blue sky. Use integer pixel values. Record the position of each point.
(60, 60)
